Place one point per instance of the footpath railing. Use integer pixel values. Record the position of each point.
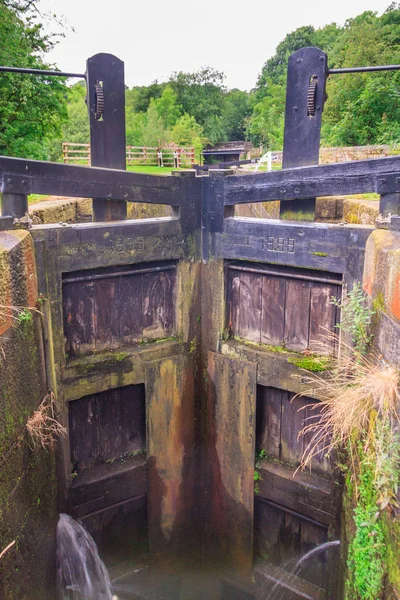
(74, 152)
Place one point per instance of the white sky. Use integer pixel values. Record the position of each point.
(156, 37)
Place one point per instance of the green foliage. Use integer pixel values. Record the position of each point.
(311, 362)
(356, 317)
(24, 315)
(366, 557)
(235, 113)
(32, 108)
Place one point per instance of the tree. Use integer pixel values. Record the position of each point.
(76, 129)
(189, 133)
(168, 108)
(154, 132)
(202, 95)
(32, 108)
(364, 108)
(236, 111)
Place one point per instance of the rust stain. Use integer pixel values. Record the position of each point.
(395, 298)
(170, 430)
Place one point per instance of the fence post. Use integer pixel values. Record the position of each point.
(106, 105)
(305, 98)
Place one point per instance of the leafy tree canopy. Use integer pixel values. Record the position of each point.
(32, 108)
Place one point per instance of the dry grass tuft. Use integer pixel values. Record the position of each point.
(43, 427)
(354, 395)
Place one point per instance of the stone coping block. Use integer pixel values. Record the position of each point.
(18, 283)
(382, 270)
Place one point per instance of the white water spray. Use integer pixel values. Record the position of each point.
(81, 574)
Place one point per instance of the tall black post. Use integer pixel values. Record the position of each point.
(106, 103)
(305, 98)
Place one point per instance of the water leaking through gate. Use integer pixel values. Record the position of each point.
(171, 345)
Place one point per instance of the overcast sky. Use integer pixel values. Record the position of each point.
(155, 37)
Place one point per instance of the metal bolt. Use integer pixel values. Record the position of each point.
(383, 180)
(318, 108)
(295, 108)
(24, 182)
(397, 179)
(282, 191)
(298, 60)
(9, 180)
(322, 58)
(296, 191)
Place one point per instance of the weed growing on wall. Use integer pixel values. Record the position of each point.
(358, 413)
(356, 317)
(43, 426)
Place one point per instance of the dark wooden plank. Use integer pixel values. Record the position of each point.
(55, 179)
(302, 128)
(133, 419)
(268, 526)
(79, 318)
(268, 420)
(250, 307)
(297, 314)
(273, 310)
(320, 463)
(290, 539)
(233, 302)
(84, 438)
(106, 485)
(109, 425)
(130, 308)
(322, 317)
(106, 314)
(285, 585)
(305, 493)
(230, 454)
(331, 248)
(292, 423)
(314, 568)
(107, 131)
(158, 305)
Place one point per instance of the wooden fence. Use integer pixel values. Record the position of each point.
(135, 155)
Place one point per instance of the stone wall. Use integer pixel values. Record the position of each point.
(79, 210)
(27, 474)
(347, 153)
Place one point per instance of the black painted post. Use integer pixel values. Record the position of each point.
(106, 104)
(14, 205)
(305, 98)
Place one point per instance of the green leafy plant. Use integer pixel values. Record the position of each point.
(356, 317)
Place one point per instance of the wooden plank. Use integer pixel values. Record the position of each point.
(170, 450)
(130, 308)
(321, 246)
(79, 318)
(322, 317)
(84, 437)
(133, 419)
(158, 308)
(56, 179)
(268, 420)
(273, 310)
(297, 314)
(290, 538)
(292, 423)
(314, 568)
(269, 524)
(320, 463)
(106, 485)
(106, 314)
(250, 307)
(305, 493)
(231, 409)
(233, 302)
(303, 129)
(109, 425)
